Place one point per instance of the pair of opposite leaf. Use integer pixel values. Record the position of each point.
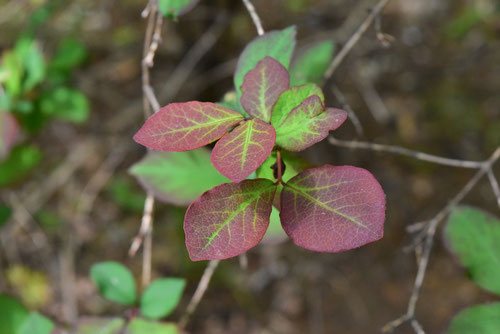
(325, 209)
(277, 117)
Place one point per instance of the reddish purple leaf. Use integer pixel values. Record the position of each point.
(9, 133)
(308, 124)
(185, 126)
(262, 86)
(333, 209)
(229, 219)
(243, 150)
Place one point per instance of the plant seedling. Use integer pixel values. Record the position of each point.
(324, 209)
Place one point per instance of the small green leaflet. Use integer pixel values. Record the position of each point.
(114, 281)
(278, 44)
(229, 219)
(140, 326)
(177, 177)
(473, 236)
(312, 64)
(36, 324)
(293, 166)
(66, 104)
(480, 319)
(291, 99)
(161, 297)
(308, 124)
(21, 161)
(12, 315)
(174, 8)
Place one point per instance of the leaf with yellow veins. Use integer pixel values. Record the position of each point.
(333, 208)
(185, 126)
(229, 219)
(243, 150)
(308, 124)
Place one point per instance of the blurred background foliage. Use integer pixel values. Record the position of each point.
(70, 78)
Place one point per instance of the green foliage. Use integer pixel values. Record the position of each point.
(19, 163)
(278, 44)
(312, 64)
(177, 177)
(480, 319)
(140, 326)
(115, 282)
(161, 297)
(126, 194)
(36, 324)
(174, 8)
(474, 236)
(66, 104)
(5, 213)
(12, 315)
(291, 99)
(69, 54)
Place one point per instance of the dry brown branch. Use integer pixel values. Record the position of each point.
(494, 185)
(406, 152)
(352, 115)
(255, 17)
(430, 232)
(363, 27)
(199, 293)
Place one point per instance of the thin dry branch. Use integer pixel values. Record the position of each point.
(255, 17)
(406, 152)
(363, 27)
(430, 232)
(494, 185)
(352, 115)
(199, 293)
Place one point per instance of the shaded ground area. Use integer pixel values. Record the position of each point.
(434, 89)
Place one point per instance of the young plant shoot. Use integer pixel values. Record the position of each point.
(324, 209)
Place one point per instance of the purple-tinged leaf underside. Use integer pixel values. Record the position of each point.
(333, 209)
(262, 86)
(243, 150)
(9, 133)
(229, 219)
(185, 126)
(291, 99)
(308, 124)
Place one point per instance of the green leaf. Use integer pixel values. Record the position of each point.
(127, 194)
(480, 319)
(70, 53)
(100, 326)
(140, 326)
(291, 99)
(5, 213)
(114, 281)
(34, 63)
(36, 324)
(474, 236)
(312, 64)
(275, 233)
(174, 8)
(161, 297)
(20, 162)
(308, 124)
(278, 44)
(230, 101)
(12, 72)
(293, 166)
(66, 104)
(12, 315)
(177, 177)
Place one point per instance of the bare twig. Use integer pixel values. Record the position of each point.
(363, 27)
(255, 17)
(352, 115)
(406, 152)
(146, 221)
(430, 231)
(198, 294)
(494, 185)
